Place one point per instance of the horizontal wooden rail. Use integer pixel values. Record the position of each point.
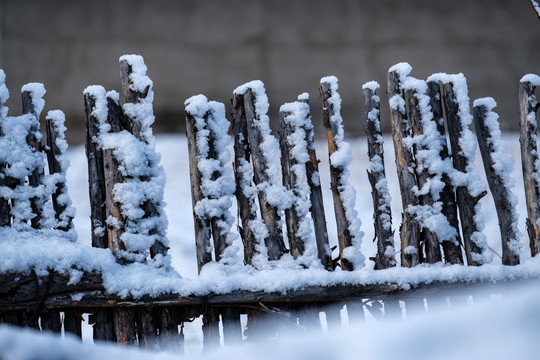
(52, 292)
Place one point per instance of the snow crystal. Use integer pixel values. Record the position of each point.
(4, 95)
(372, 85)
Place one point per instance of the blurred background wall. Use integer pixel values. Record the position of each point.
(212, 46)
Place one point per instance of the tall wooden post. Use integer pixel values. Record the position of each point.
(346, 218)
(428, 238)
(528, 139)
(410, 228)
(380, 192)
(451, 248)
(493, 156)
(467, 202)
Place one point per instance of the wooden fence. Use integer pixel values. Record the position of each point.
(439, 184)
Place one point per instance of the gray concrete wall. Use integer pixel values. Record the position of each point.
(210, 47)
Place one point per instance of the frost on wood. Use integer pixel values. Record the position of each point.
(384, 235)
(344, 195)
(264, 151)
(498, 166)
(528, 138)
(208, 127)
(465, 178)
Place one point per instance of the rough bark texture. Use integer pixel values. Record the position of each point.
(242, 155)
(96, 178)
(451, 249)
(202, 224)
(410, 229)
(466, 202)
(296, 243)
(382, 215)
(269, 213)
(429, 240)
(336, 175)
(529, 157)
(501, 193)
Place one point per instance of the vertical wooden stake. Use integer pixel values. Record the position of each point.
(317, 206)
(96, 176)
(380, 192)
(338, 180)
(202, 224)
(5, 209)
(451, 249)
(428, 239)
(466, 202)
(269, 213)
(72, 323)
(497, 179)
(410, 229)
(33, 139)
(246, 204)
(528, 139)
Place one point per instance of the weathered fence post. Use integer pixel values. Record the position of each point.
(528, 139)
(498, 166)
(348, 224)
(56, 147)
(243, 172)
(410, 228)
(96, 177)
(263, 147)
(317, 206)
(470, 188)
(451, 247)
(429, 239)
(5, 209)
(202, 223)
(32, 104)
(382, 215)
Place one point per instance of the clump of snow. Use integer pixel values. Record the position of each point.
(36, 91)
(533, 79)
(341, 158)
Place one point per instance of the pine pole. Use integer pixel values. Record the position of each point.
(338, 180)
(428, 238)
(317, 206)
(466, 202)
(33, 139)
(410, 228)
(382, 215)
(246, 204)
(202, 224)
(451, 249)
(274, 241)
(497, 181)
(528, 139)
